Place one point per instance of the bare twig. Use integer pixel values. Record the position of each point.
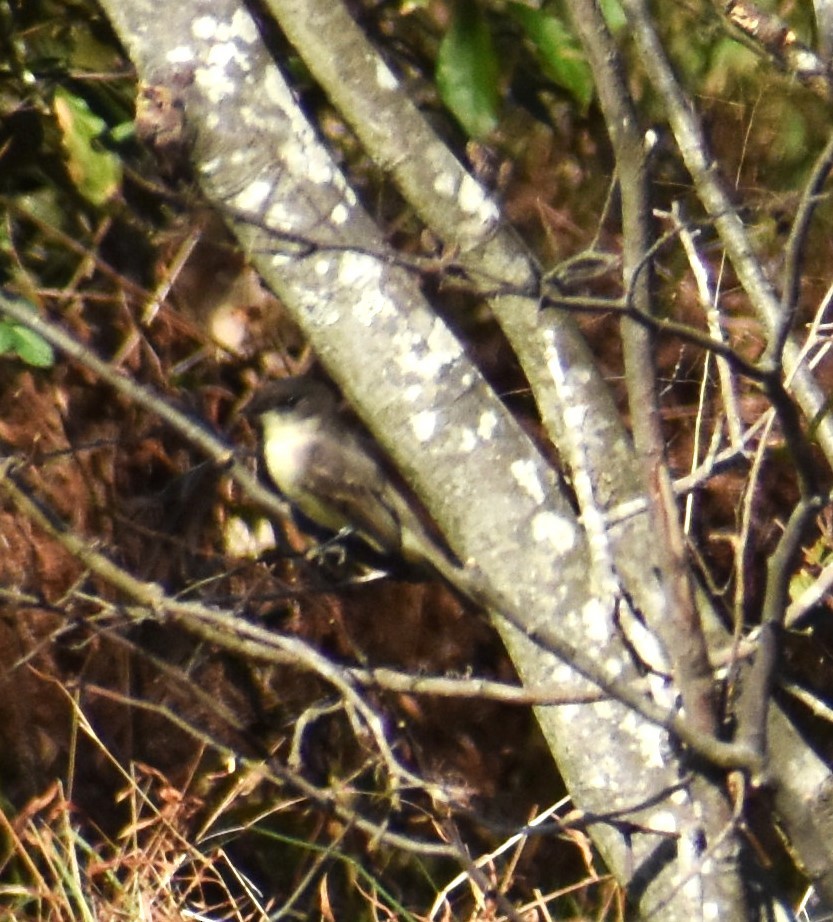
(711, 192)
(709, 301)
(796, 244)
(221, 454)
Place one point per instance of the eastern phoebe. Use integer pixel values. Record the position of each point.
(327, 469)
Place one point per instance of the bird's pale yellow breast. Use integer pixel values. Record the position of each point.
(285, 445)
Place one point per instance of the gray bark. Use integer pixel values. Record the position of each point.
(482, 480)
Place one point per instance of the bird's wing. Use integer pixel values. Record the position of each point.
(357, 499)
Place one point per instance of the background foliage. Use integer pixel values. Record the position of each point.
(117, 736)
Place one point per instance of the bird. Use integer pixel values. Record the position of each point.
(331, 473)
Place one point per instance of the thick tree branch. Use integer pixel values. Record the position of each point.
(679, 624)
(408, 377)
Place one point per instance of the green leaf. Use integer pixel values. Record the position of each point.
(614, 16)
(96, 172)
(16, 339)
(7, 338)
(467, 70)
(559, 51)
(32, 348)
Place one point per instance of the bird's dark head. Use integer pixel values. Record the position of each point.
(296, 397)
